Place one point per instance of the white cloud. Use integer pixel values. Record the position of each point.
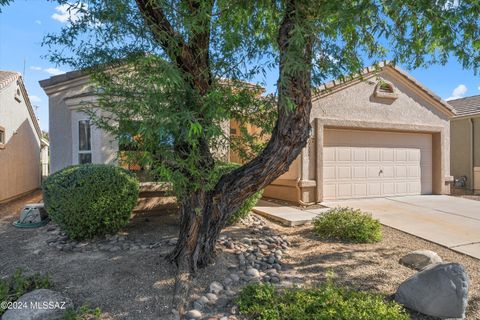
(478, 87)
(53, 71)
(69, 12)
(38, 22)
(35, 99)
(458, 92)
(35, 68)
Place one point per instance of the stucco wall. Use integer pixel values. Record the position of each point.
(20, 159)
(461, 148)
(60, 132)
(64, 116)
(355, 107)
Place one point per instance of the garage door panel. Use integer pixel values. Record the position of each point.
(374, 189)
(400, 172)
(373, 154)
(359, 190)
(344, 154)
(329, 154)
(388, 155)
(360, 164)
(388, 171)
(414, 187)
(329, 172)
(329, 191)
(359, 172)
(373, 172)
(344, 172)
(413, 172)
(388, 188)
(400, 155)
(344, 190)
(401, 188)
(359, 154)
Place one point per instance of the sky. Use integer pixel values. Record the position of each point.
(24, 23)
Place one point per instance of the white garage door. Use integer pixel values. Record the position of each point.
(364, 164)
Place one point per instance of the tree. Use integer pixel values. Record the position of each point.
(172, 71)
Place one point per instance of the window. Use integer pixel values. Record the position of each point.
(385, 89)
(84, 142)
(2, 138)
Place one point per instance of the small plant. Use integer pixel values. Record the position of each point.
(92, 199)
(248, 204)
(83, 313)
(18, 284)
(264, 302)
(348, 224)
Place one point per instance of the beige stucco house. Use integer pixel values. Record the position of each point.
(465, 143)
(381, 134)
(23, 151)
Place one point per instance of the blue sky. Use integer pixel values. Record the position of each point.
(24, 23)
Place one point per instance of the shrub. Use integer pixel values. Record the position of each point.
(248, 204)
(348, 224)
(18, 284)
(92, 199)
(83, 313)
(264, 302)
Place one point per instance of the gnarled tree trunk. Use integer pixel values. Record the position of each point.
(204, 214)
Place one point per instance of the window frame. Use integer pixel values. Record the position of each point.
(82, 152)
(3, 137)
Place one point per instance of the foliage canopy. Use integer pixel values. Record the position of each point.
(152, 89)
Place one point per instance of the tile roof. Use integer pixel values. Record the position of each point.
(7, 77)
(468, 106)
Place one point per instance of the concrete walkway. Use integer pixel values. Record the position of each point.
(287, 215)
(450, 221)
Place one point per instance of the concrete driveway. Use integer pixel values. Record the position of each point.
(450, 221)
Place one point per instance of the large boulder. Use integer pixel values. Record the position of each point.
(39, 304)
(419, 259)
(439, 290)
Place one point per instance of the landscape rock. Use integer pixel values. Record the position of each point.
(51, 305)
(252, 272)
(193, 314)
(216, 287)
(439, 290)
(419, 259)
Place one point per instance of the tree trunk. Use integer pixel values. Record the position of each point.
(201, 228)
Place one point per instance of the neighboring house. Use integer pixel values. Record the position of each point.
(22, 149)
(465, 143)
(382, 135)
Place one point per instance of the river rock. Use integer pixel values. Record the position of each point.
(419, 259)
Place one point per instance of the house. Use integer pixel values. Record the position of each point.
(376, 135)
(380, 134)
(23, 151)
(465, 143)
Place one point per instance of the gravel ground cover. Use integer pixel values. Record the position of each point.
(128, 278)
(371, 266)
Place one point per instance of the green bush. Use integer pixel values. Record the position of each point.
(83, 313)
(92, 199)
(348, 224)
(18, 284)
(264, 302)
(248, 204)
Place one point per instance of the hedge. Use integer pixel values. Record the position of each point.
(90, 199)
